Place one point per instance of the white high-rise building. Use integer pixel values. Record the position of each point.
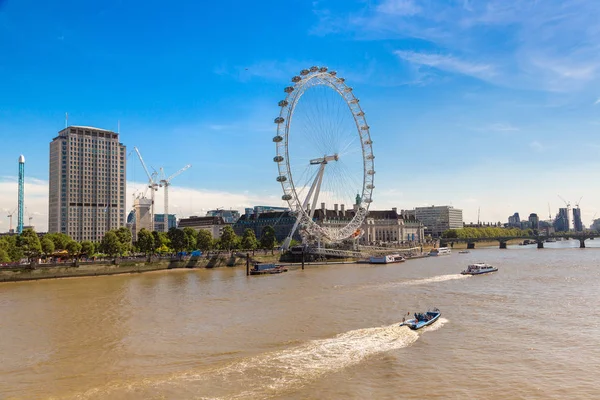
(438, 219)
(87, 183)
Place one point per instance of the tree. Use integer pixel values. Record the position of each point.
(177, 238)
(190, 238)
(204, 240)
(29, 242)
(4, 258)
(267, 238)
(15, 253)
(124, 236)
(249, 241)
(110, 244)
(145, 241)
(60, 240)
(74, 248)
(160, 239)
(88, 248)
(47, 246)
(228, 238)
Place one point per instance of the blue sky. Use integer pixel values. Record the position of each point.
(490, 104)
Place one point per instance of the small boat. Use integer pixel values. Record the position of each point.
(422, 320)
(388, 259)
(464, 252)
(440, 251)
(478, 269)
(263, 269)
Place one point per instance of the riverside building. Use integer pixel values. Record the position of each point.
(438, 219)
(87, 183)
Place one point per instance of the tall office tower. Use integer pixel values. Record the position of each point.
(87, 183)
(578, 225)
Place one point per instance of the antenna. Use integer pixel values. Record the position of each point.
(549, 213)
(118, 126)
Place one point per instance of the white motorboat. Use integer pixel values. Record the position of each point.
(478, 269)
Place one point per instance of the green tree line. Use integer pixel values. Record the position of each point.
(484, 232)
(118, 242)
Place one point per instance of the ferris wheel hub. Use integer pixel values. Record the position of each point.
(324, 160)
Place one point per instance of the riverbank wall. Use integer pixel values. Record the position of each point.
(114, 267)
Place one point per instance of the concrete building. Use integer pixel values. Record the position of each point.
(438, 219)
(229, 216)
(257, 210)
(87, 183)
(561, 222)
(514, 220)
(214, 225)
(534, 221)
(141, 212)
(577, 224)
(281, 221)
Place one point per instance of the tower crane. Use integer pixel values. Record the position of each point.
(152, 185)
(578, 201)
(165, 183)
(10, 215)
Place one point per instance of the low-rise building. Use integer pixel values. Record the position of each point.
(281, 221)
(214, 225)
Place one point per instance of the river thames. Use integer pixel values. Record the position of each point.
(531, 330)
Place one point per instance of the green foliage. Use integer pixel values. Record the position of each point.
(4, 258)
(29, 242)
(294, 242)
(15, 253)
(267, 238)
(190, 239)
(204, 240)
(74, 248)
(228, 238)
(145, 241)
(124, 236)
(485, 232)
(110, 244)
(60, 240)
(249, 241)
(88, 248)
(47, 246)
(160, 239)
(178, 239)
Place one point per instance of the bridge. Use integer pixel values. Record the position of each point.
(581, 236)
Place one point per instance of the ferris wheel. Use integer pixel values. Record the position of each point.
(324, 153)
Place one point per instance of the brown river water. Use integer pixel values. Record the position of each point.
(529, 331)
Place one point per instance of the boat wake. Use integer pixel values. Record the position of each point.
(273, 373)
(410, 282)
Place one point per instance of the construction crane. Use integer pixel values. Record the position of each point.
(10, 215)
(578, 201)
(152, 185)
(165, 183)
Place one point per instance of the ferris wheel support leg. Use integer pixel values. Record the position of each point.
(316, 184)
(318, 180)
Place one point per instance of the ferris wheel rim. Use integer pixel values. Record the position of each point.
(312, 77)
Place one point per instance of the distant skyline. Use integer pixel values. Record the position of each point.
(489, 104)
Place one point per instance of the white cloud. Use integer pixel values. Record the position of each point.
(448, 63)
(398, 7)
(182, 201)
(597, 101)
(550, 45)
